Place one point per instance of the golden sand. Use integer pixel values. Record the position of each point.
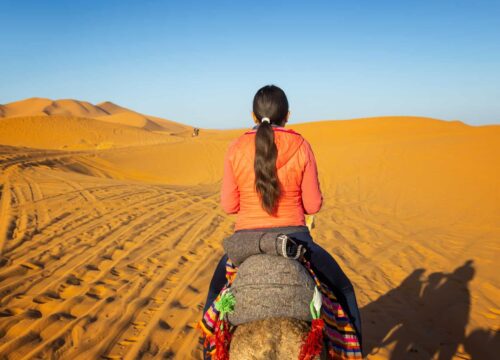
(110, 229)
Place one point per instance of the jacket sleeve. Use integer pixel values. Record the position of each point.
(230, 195)
(312, 199)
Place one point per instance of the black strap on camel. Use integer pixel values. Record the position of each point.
(240, 246)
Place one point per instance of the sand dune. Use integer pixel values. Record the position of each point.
(106, 111)
(108, 253)
(41, 106)
(73, 133)
(120, 115)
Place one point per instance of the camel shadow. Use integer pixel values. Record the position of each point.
(427, 318)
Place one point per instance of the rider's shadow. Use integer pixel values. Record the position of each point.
(424, 318)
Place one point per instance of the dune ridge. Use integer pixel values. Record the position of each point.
(108, 252)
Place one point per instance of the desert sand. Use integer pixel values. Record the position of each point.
(110, 229)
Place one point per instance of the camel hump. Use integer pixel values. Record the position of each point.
(276, 338)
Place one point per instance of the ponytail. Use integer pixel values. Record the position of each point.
(270, 106)
(266, 175)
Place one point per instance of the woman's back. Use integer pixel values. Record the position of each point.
(297, 174)
(270, 181)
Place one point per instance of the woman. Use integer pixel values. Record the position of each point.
(270, 182)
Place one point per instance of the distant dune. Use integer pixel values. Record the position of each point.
(111, 227)
(106, 111)
(73, 133)
(41, 107)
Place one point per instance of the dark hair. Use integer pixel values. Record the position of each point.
(269, 102)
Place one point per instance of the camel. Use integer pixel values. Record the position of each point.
(271, 338)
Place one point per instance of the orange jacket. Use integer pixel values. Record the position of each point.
(297, 173)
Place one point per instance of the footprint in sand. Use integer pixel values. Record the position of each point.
(11, 312)
(169, 355)
(97, 292)
(46, 297)
(33, 314)
(91, 267)
(138, 267)
(33, 265)
(73, 280)
(164, 325)
(176, 304)
(62, 315)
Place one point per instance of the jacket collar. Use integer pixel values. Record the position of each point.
(275, 128)
(273, 125)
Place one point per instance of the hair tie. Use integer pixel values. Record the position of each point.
(265, 119)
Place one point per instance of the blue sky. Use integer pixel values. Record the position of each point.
(201, 62)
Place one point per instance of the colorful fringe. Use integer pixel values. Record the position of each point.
(339, 334)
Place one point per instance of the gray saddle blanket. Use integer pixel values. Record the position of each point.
(268, 286)
(269, 282)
